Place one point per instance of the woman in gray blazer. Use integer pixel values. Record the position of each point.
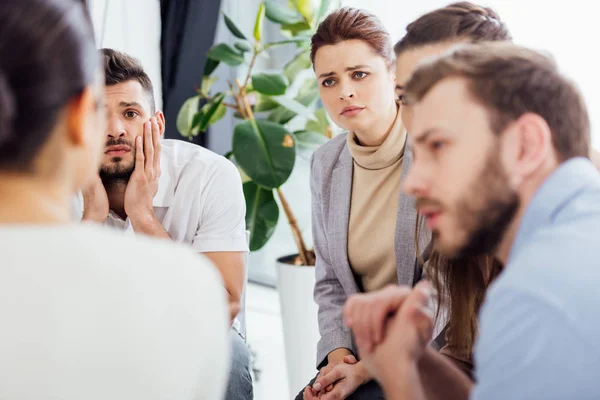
(333, 192)
(363, 225)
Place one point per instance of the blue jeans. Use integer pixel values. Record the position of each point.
(240, 378)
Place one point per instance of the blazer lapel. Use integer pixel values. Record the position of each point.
(406, 252)
(339, 214)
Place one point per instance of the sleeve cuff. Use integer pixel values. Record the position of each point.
(327, 344)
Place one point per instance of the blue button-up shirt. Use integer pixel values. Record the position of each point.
(540, 324)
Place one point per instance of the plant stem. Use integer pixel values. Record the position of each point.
(238, 100)
(303, 252)
(245, 103)
(243, 88)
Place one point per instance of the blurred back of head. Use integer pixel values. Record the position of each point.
(47, 60)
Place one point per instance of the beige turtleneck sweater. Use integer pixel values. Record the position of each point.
(374, 208)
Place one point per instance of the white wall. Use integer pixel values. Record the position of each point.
(131, 26)
(567, 30)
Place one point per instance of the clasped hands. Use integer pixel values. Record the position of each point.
(392, 329)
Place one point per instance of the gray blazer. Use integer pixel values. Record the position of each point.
(331, 188)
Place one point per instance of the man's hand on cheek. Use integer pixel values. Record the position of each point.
(143, 184)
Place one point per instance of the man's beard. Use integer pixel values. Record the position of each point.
(486, 210)
(117, 172)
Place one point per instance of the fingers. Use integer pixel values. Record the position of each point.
(308, 395)
(420, 315)
(148, 146)
(350, 359)
(156, 130)
(139, 154)
(367, 314)
(329, 379)
(338, 392)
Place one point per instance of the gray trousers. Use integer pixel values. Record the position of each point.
(239, 386)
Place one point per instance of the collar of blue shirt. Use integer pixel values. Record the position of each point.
(569, 178)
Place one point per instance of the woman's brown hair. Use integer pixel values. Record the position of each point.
(460, 283)
(350, 23)
(463, 20)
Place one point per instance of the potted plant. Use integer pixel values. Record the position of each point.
(264, 148)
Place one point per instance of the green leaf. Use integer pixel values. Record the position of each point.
(306, 9)
(218, 114)
(295, 106)
(185, 117)
(264, 103)
(281, 115)
(295, 29)
(309, 140)
(262, 213)
(271, 84)
(296, 40)
(258, 25)
(299, 63)
(242, 46)
(322, 13)
(281, 14)
(322, 123)
(210, 65)
(209, 110)
(223, 52)
(207, 83)
(309, 87)
(233, 28)
(265, 150)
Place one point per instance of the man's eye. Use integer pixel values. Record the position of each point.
(360, 74)
(328, 82)
(131, 114)
(437, 145)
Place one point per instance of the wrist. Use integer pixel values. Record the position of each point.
(94, 216)
(364, 374)
(401, 367)
(143, 220)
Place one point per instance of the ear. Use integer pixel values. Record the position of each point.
(533, 140)
(160, 118)
(80, 111)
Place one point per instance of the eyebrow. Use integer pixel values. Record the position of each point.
(423, 137)
(354, 68)
(130, 104)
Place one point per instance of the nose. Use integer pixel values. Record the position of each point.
(415, 183)
(347, 92)
(115, 128)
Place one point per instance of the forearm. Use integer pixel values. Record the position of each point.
(441, 379)
(404, 382)
(148, 225)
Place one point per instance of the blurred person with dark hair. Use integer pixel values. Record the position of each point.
(87, 313)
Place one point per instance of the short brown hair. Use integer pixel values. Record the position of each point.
(350, 23)
(463, 20)
(510, 81)
(120, 67)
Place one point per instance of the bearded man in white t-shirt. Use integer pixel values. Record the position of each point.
(169, 189)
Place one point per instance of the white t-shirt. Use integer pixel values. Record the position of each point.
(200, 199)
(91, 314)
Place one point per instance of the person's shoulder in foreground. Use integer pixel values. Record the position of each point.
(541, 321)
(148, 316)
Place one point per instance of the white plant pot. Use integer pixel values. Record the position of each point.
(295, 285)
